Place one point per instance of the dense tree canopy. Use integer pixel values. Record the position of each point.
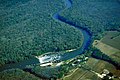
(95, 15)
(17, 74)
(28, 28)
(47, 72)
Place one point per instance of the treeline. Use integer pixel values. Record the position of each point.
(50, 73)
(17, 74)
(27, 28)
(96, 15)
(96, 53)
(47, 72)
(58, 72)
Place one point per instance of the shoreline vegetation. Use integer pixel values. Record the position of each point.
(97, 17)
(108, 49)
(37, 68)
(93, 16)
(28, 29)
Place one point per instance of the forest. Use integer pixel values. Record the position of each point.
(17, 74)
(27, 29)
(96, 15)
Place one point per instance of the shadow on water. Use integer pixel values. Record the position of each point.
(86, 34)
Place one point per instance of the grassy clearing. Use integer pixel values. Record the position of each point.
(112, 38)
(109, 45)
(109, 50)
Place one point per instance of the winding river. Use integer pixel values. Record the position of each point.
(61, 57)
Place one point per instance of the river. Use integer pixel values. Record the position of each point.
(61, 57)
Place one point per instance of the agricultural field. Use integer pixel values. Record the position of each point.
(109, 50)
(95, 65)
(105, 46)
(27, 28)
(112, 38)
(59, 39)
(80, 74)
(100, 65)
(109, 45)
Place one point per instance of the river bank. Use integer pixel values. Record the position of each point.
(61, 57)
